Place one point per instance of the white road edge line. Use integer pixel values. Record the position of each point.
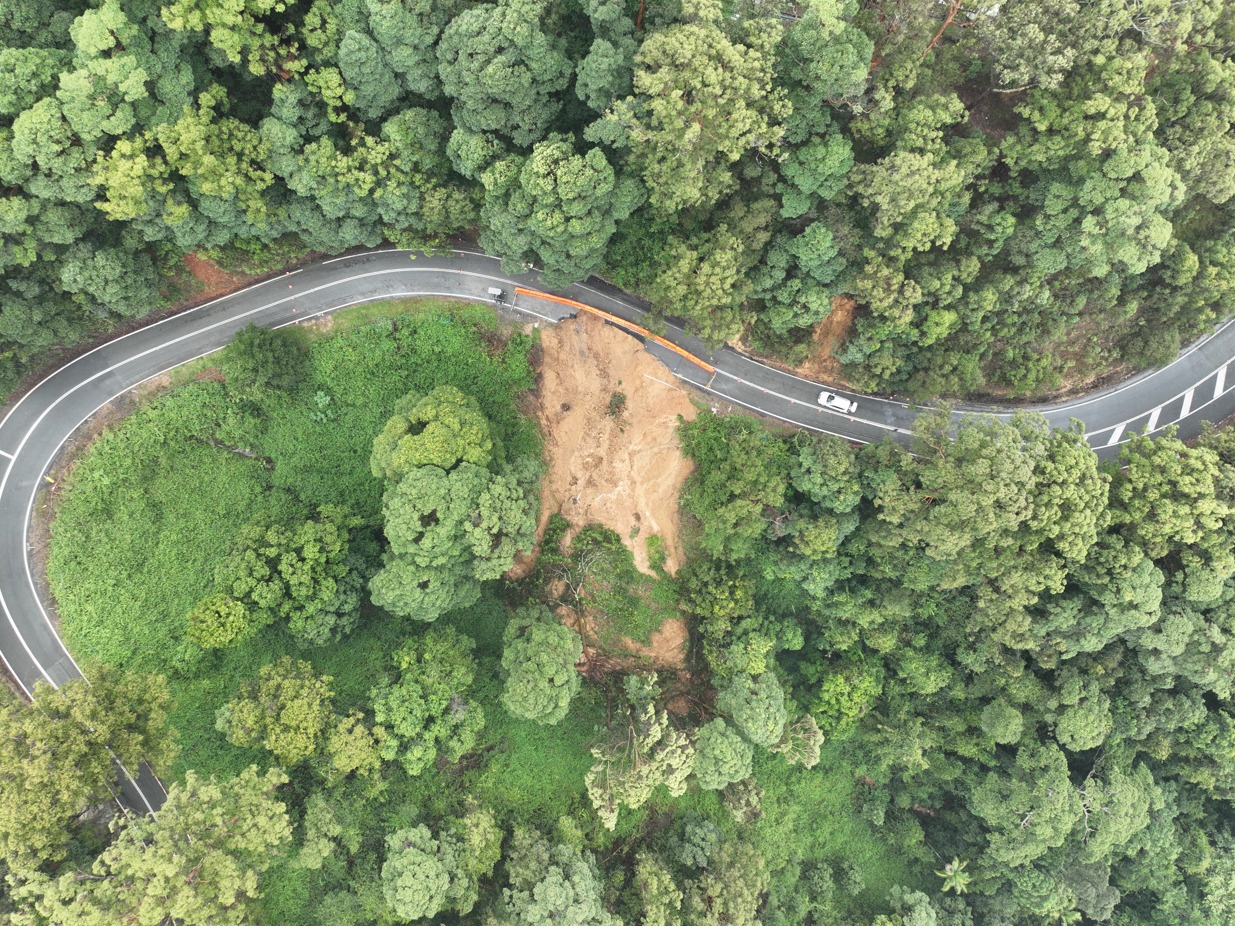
(143, 328)
(1114, 438)
(38, 486)
(1195, 411)
(661, 381)
(1138, 380)
(791, 399)
(760, 411)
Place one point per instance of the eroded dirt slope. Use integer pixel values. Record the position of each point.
(623, 469)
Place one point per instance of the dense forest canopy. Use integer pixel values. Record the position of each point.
(985, 680)
(1031, 652)
(1011, 192)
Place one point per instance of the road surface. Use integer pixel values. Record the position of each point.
(1195, 387)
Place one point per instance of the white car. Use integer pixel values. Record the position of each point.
(836, 403)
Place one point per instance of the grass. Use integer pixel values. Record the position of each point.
(810, 815)
(149, 511)
(626, 603)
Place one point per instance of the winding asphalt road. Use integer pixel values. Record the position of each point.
(1193, 388)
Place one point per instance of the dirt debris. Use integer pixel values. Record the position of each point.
(827, 337)
(612, 461)
(215, 281)
(666, 649)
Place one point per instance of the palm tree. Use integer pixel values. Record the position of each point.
(955, 878)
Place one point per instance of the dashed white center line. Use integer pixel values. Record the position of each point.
(1115, 435)
(1153, 419)
(1187, 404)
(1219, 382)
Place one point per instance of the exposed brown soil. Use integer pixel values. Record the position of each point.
(665, 650)
(614, 463)
(623, 469)
(827, 336)
(214, 280)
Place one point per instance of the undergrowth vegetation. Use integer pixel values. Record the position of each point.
(154, 507)
(280, 429)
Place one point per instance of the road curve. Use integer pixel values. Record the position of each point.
(1194, 387)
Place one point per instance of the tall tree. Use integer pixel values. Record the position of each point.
(552, 884)
(287, 710)
(607, 70)
(262, 358)
(425, 874)
(502, 71)
(701, 102)
(247, 31)
(425, 711)
(538, 657)
(642, 750)
(722, 757)
(756, 706)
(305, 575)
(409, 32)
(60, 756)
(198, 863)
(454, 516)
(368, 75)
(555, 206)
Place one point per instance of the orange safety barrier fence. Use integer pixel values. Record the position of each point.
(620, 322)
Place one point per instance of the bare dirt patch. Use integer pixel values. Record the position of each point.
(826, 338)
(612, 462)
(666, 649)
(609, 414)
(215, 281)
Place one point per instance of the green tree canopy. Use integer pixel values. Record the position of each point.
(553, 884)
(261, 358)
(287, 710)
(502, 72)
(442, 429)
(721, 756)
(756, 706)
(424, 712)
(739, 475)
(538, 657)
(304, 575)
(60, 756)
(198, 862)
(425, 874)
(555, 207)
(701, 102)
(642, 750)
(454, 516)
